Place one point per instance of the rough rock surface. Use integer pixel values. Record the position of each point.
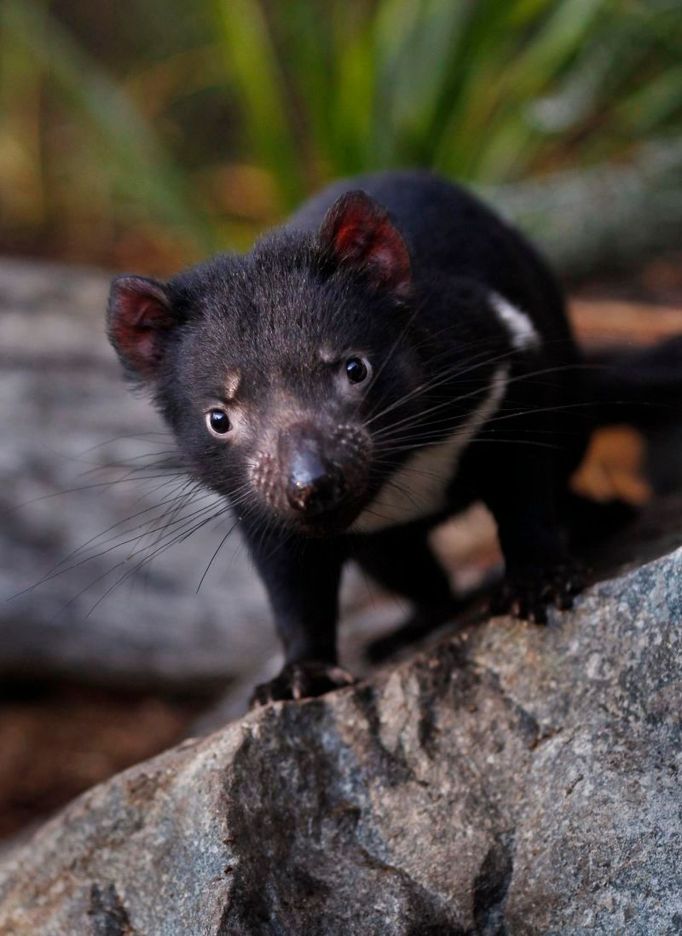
(512, 779)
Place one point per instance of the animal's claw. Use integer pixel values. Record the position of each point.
(302, 680)
(528, 592)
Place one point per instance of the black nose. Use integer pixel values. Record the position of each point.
(314, 486)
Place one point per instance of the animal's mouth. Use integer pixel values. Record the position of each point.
(330, 523)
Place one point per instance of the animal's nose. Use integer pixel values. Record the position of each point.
(314, 483)
(314, 486)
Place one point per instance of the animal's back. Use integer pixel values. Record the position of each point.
(449, 230)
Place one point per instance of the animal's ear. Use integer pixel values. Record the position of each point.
(140, 318)
(358, 232)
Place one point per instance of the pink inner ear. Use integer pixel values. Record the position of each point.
(142, 309)
(147, 313)
(352, 239)
(139, 315)
(360, 233)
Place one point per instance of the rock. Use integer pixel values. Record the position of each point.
(512, 779)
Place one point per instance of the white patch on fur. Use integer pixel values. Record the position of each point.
(521, 330)
(418, 487)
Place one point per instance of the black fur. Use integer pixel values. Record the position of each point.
(409, 295)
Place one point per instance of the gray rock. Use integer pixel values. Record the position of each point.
(512, 779)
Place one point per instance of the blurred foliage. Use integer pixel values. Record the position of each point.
(151, 132)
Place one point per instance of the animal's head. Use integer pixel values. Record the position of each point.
(280, 370)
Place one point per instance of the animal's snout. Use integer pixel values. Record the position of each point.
(314, 487)
(314, 483)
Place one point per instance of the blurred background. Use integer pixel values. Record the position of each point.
(150, 135)
(144, 136)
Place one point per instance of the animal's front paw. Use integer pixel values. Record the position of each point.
(302, 680)
(528, 591)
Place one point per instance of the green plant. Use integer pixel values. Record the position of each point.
(489, 91)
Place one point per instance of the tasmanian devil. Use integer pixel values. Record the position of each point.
(391, 354)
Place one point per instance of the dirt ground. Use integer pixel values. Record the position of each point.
(58, 739)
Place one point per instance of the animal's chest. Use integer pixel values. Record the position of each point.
(419, 488)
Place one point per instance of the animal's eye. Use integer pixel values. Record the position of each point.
(357, 370)
(218, 421)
